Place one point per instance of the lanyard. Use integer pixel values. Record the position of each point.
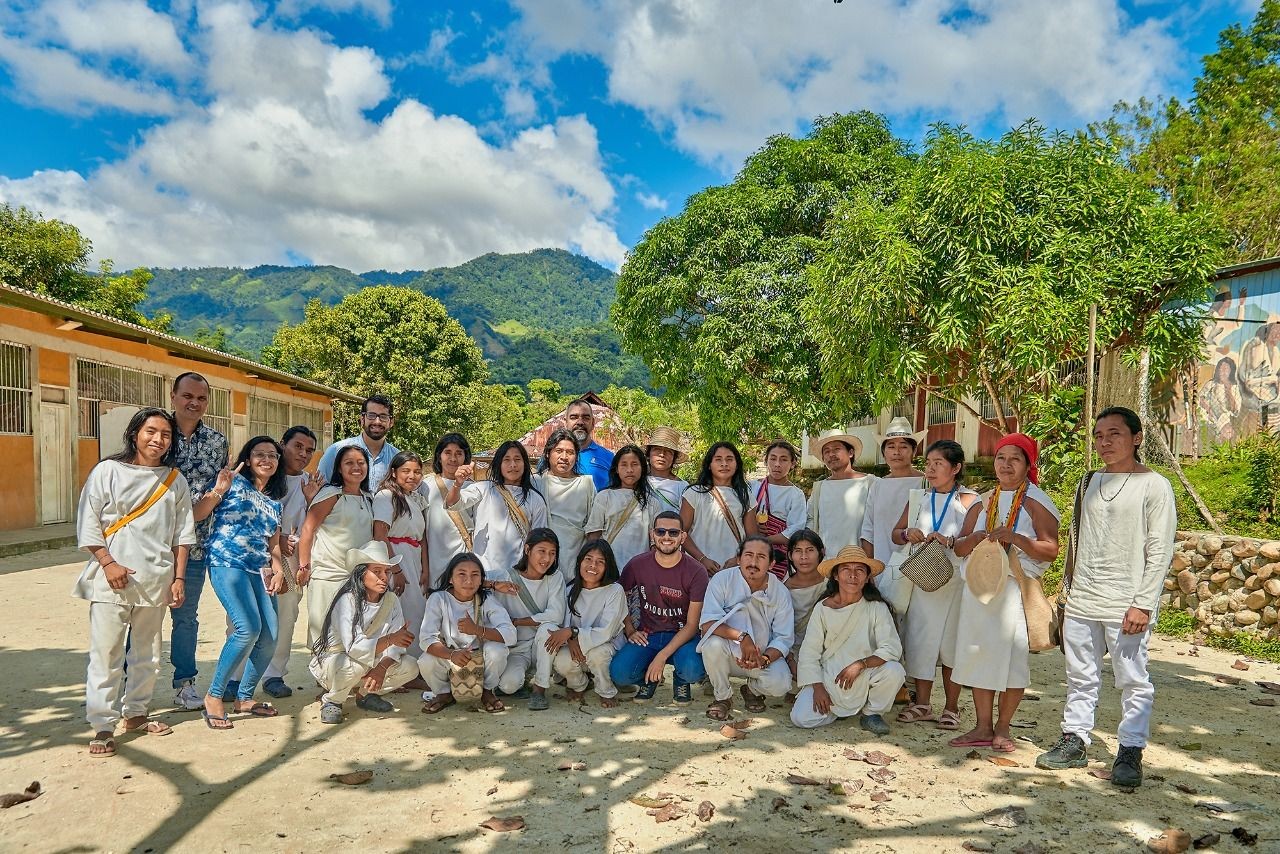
(933, 507)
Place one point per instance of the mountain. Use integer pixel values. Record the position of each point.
(535, 314)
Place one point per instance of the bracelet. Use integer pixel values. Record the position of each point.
(111, 562)
(183, 580)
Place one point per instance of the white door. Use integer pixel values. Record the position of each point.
(55, 462)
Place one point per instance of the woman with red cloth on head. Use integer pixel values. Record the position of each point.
(991, 634)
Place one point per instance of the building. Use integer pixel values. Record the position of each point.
(71, 378)
(607, 426)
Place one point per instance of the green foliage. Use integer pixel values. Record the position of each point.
(1224, 488)
(1263, 451)
(1055, 418)
(399, 342)
(1175, 622)
(1245, 644)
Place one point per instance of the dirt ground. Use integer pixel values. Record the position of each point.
(265, 786)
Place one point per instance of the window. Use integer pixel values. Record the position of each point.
(218, 415)
(988, 407)
(15, 388)
(98, 383)
(268, 417)
(905, 408)
(308, 416)
(940, 411)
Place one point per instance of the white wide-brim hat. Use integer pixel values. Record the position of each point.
(900, 428)
(374, 551)
(818, 442)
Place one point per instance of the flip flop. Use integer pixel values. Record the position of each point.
(438, 704)
(492, 704)
(108, 746)
(1003, 745)
(260, 710)
(719, 710)
(209, 719)
(151, 728)
(961, 741)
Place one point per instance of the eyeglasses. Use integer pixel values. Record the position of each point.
(667, 532)
(264, 455)
(369, 416)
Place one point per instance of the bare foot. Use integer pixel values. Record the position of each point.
(609, 702)
(574, 696)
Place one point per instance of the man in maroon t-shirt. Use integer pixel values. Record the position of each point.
(670, 586)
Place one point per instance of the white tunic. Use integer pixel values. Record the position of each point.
(786, 502)
(568, 508)
(349, 525)
(293, 514)
(440, 623)
(411, 525)
(444, 540)
(930, 628)
(599, 617)
(836, 510)
(767, 615)
(619, 517)
(548, 593)
(838, 637)
(803, 601)
(360, 645)
(670, 490)
(1125, 546)
(991, 639)
(711, 530)
(113, 491)
(496, 539)
(886, 501)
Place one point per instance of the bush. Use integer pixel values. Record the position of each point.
(1263, 479)
(1250, 646)
(1175, 623)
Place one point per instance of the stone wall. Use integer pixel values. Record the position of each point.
(1229, 584)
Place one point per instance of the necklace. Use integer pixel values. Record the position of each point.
(1116, 494)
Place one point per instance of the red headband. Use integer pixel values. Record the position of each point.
(1029, 448)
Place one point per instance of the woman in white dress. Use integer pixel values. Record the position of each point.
(930, 624)
(991, 638)
(779, 505)
(805, 552)
(568, 494)
(400, 521)
(623, 514)
(532, 592)
(506, 507)
(448, 528)
(714, 509)
(339, 519)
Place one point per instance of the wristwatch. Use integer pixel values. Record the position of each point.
(573, 633)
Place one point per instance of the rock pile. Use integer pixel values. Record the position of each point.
(1229, 584)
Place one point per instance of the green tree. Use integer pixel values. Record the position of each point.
(398, 342)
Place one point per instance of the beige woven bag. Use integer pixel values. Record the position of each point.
(928, 567)
(467, 682)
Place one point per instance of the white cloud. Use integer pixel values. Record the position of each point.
(285, 160)
(128, 28)
(380, 10)
(57, 78)
(722, 75)
(651, 201)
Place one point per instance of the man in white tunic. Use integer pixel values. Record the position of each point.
(838, 503)
(747, 630)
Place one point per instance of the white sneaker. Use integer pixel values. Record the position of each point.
(188, 697)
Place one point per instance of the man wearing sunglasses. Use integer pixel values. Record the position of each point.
(670, 586)
(375, 422)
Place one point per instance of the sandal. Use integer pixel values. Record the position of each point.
(438, 703)
(968, 741)
(221, 720)
(948, 720)
(490, 703)
(915, 713)
(1001, 744)
(754, 701)
(101, 748)
(150, 727)
(719, 710)
(259, 710)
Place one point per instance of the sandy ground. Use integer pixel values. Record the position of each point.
(265, 785)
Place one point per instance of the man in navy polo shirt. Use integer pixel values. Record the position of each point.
(593, 459)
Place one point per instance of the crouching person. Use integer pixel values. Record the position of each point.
(747, 628)
(585, 645)
(462, 622)
(849, 663)
(364, 640)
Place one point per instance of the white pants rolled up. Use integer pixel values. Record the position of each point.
(436, 670)
(719, 657)
(339, 675)
(110, 691)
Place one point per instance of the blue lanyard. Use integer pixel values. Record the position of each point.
(933, 507)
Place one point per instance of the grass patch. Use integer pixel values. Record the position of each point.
(1250, 646)
(1175, 623)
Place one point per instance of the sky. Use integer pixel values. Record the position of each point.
(375, 134)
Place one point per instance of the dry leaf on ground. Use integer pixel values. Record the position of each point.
(669, 813)
(1005, 817)
(1269, 687)
(731, 732)
(745, 723)
(973, 754)
(875, 757)
(649, 803)
(1185, 789)
(1227, 680)
(879, 797)
(1175, 840)
(1268, 702)
(1207, 841)
(30, 793)
(503, 825)
(978, 845)
(780, 803)
(1100, 773)
(1191, 745)
(353, 778)
(571, 766)
(492, 791)
(1239, 665)
(797, 780)
(881, 775)
(1003, 762)
(855, 755)
(844, 787)
(1244, 836)
(706, 809)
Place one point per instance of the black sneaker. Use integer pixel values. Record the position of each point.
(682, 692)
(374, 703)
(1069, 752)
(645, 692)
(1127, 769)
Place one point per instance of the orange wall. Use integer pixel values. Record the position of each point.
(88, 458)
(55, 367)
(18, 499)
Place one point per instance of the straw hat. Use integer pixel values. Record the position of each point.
(818, 442)
(986, 571)
(900, 428)
(374, 551)
(669, 438)
(850, 554)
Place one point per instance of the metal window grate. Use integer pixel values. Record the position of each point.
(940, 411)
(15, 389)
(97, 383)
(989, 407)
(218, 415)
(268, 417)
(310, 417)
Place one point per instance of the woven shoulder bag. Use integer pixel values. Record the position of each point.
(928, 567)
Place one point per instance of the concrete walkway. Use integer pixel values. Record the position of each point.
(27, 540)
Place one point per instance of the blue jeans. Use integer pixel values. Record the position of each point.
(182, 643)
(253, 619)
(630, 662)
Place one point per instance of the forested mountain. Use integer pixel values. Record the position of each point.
(535, 314)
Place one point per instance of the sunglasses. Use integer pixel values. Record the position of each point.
(667, 532)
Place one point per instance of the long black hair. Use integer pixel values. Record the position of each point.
(446, 580)
(705, 482)
(953, 452)
(556, 437)
(611, 573)
(399, 501)
(805, 535)
(277, 485)
(1131, 421)
(495, 468)
(335, 476)
(354, 585)
(445, 441)
(129, 447)
(869, 590)
(539, 535)
(641, 489)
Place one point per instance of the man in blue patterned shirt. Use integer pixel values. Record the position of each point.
(201, 453)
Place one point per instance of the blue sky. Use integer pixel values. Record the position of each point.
(376, 134)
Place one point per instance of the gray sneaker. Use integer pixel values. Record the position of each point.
(873, 724)
(330, 713)
(189, 697)
(374, 703)
(538, 702)
(1069, 752)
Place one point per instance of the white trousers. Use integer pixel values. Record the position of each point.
(519, 661)
(575, 674)
(436, 670)
(1086, 641)
(338, 675)
(719, 657)
(872, 693)
(109, 693)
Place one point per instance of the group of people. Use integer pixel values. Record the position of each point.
(599, 569)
